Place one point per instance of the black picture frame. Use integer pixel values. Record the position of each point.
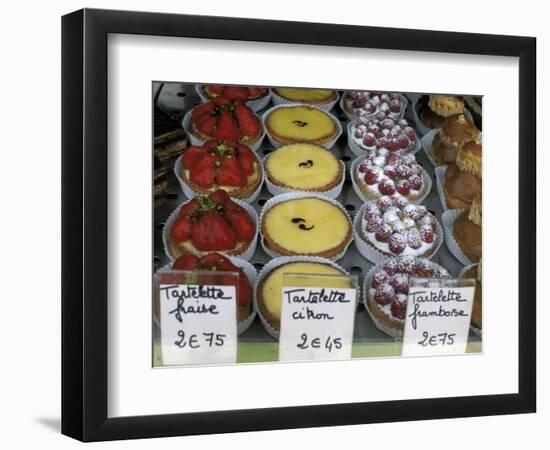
(84, 224)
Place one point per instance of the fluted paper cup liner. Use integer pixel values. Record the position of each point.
(246, 254)
(277, 190)
(296, 195)
(277, 144)
(426, 184)
(477, 331)
(189, 193)
(426, 142)
(194, 140)
(251, 274)
(278, 100)
(366, 287)
(255, 105)
(357, 150)
(439, 182)
(448, 218)
(352, 116)
(273, 264)
(375, 255)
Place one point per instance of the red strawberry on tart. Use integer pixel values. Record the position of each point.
(213, 223)
(383, 172)
(396, 227)
(388, 287)
(221, 164)
(222, 118)
(216, 264)
(239, 93)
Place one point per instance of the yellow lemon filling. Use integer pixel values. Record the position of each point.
(273, 284)
(303, 166)
(306, 225)
(301, 123)
(305, 95)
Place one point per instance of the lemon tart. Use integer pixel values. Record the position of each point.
(304, 167)
(310, 96)
(306, 226)
(293, 124)
(270, 287)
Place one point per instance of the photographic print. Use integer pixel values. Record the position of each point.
(291, 224)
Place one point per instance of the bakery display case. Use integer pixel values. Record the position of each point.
(333, 185)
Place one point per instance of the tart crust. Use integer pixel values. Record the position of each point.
(469, 158)
(446, 105)
(468, 236)
(460, 187)
(293, 95)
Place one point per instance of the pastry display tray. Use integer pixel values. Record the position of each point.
(255, 344)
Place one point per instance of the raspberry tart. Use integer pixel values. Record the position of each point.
(396, 227)
(222, 118)
(369, 135)
(373, 105)
(213, 223)
(389, 173)
(221, 164)
(387, 288)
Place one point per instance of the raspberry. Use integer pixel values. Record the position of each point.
(358, 103)
(371, 210)
(382, 142)
(403, 171)
(416, 182)
(406, 264)
(403, 187)
(369, 140)
(380, 115)
(370, 107)
(414, 239)
(388, 124)
(384, 294)
(386, 187)
(391, 266)
(395, 131)
(428, 220)
(383, 233)
(373, 224)
(400, 282)
(409, 132)
(384, 202)
(393, 145)
(403, 141)
(397, 243)
(379, 278)
(403, 123)
(395, 106)
(358, 133)
(427, 233)
(371, 176)
(374, 128)
(399, 309)
(422, 268)
(400, 202)
(364, 166)
(390, 171)
(393, 160)
(384, 107)
(385, 98)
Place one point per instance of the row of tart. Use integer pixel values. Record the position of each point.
(384, 289)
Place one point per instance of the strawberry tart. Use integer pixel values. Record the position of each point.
(387, 288)
(383, 172)
(234, 93)
(373, 105)
(397, 227)
(217, 264)
(221, 164)
(211, 224)
(393, 135)
(222, 118)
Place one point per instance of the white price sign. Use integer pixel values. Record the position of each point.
(198, 324)
(438, 317)
(316, 323)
